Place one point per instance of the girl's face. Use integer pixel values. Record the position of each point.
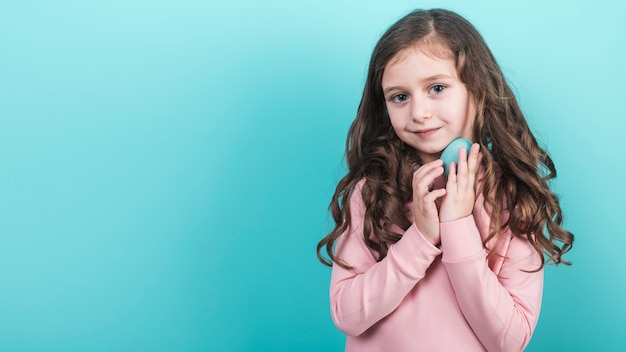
(428, 105)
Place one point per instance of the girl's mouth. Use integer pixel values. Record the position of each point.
(426, 133)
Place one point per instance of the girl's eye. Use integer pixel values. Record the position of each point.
(399, 98)
(437, 89)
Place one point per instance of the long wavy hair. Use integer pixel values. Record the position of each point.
(516, 170)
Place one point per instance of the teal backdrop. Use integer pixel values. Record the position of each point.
(166, 166)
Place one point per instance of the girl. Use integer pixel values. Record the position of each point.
(425, 262)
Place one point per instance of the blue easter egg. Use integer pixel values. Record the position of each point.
(451, 153)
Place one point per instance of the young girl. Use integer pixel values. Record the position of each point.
(425, 262)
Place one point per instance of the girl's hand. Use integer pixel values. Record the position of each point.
(461, 186)
(424, 208)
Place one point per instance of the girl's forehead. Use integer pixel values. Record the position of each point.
(431, 47)
(419, 63)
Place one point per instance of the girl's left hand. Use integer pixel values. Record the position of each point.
(460, 188)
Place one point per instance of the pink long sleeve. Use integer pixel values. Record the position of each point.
(362, 297)
(503, 311)
(417, 298)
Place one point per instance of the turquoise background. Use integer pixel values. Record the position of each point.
(166, 166)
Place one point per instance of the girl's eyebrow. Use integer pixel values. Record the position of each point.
(389, 89)
(426, 80)
(438, 77)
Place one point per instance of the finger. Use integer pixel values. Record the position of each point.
(422, 179)
(451, 175)
(428, 166)
(430, 171)
(473, 159)
(437, 193)
(462, 167)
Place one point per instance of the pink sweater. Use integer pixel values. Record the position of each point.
(422, 298)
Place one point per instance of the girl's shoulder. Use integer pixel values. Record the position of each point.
(355, 197)
(356, 192)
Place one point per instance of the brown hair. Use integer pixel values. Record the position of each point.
(376, 154)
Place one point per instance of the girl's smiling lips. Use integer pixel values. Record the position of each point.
(426, 132)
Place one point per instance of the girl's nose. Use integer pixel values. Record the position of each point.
(420, 109)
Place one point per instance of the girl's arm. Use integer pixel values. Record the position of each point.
(501, 309)
(502, 306)
(361, 297)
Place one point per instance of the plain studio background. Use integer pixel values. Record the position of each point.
(166, 166)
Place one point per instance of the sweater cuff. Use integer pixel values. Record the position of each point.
(460, 240)
(413, 252)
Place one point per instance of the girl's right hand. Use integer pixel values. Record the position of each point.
(425, 210)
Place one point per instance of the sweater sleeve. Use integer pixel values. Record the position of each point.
(372, 290)
(502, 309)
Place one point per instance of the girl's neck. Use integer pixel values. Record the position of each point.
(426, 158)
